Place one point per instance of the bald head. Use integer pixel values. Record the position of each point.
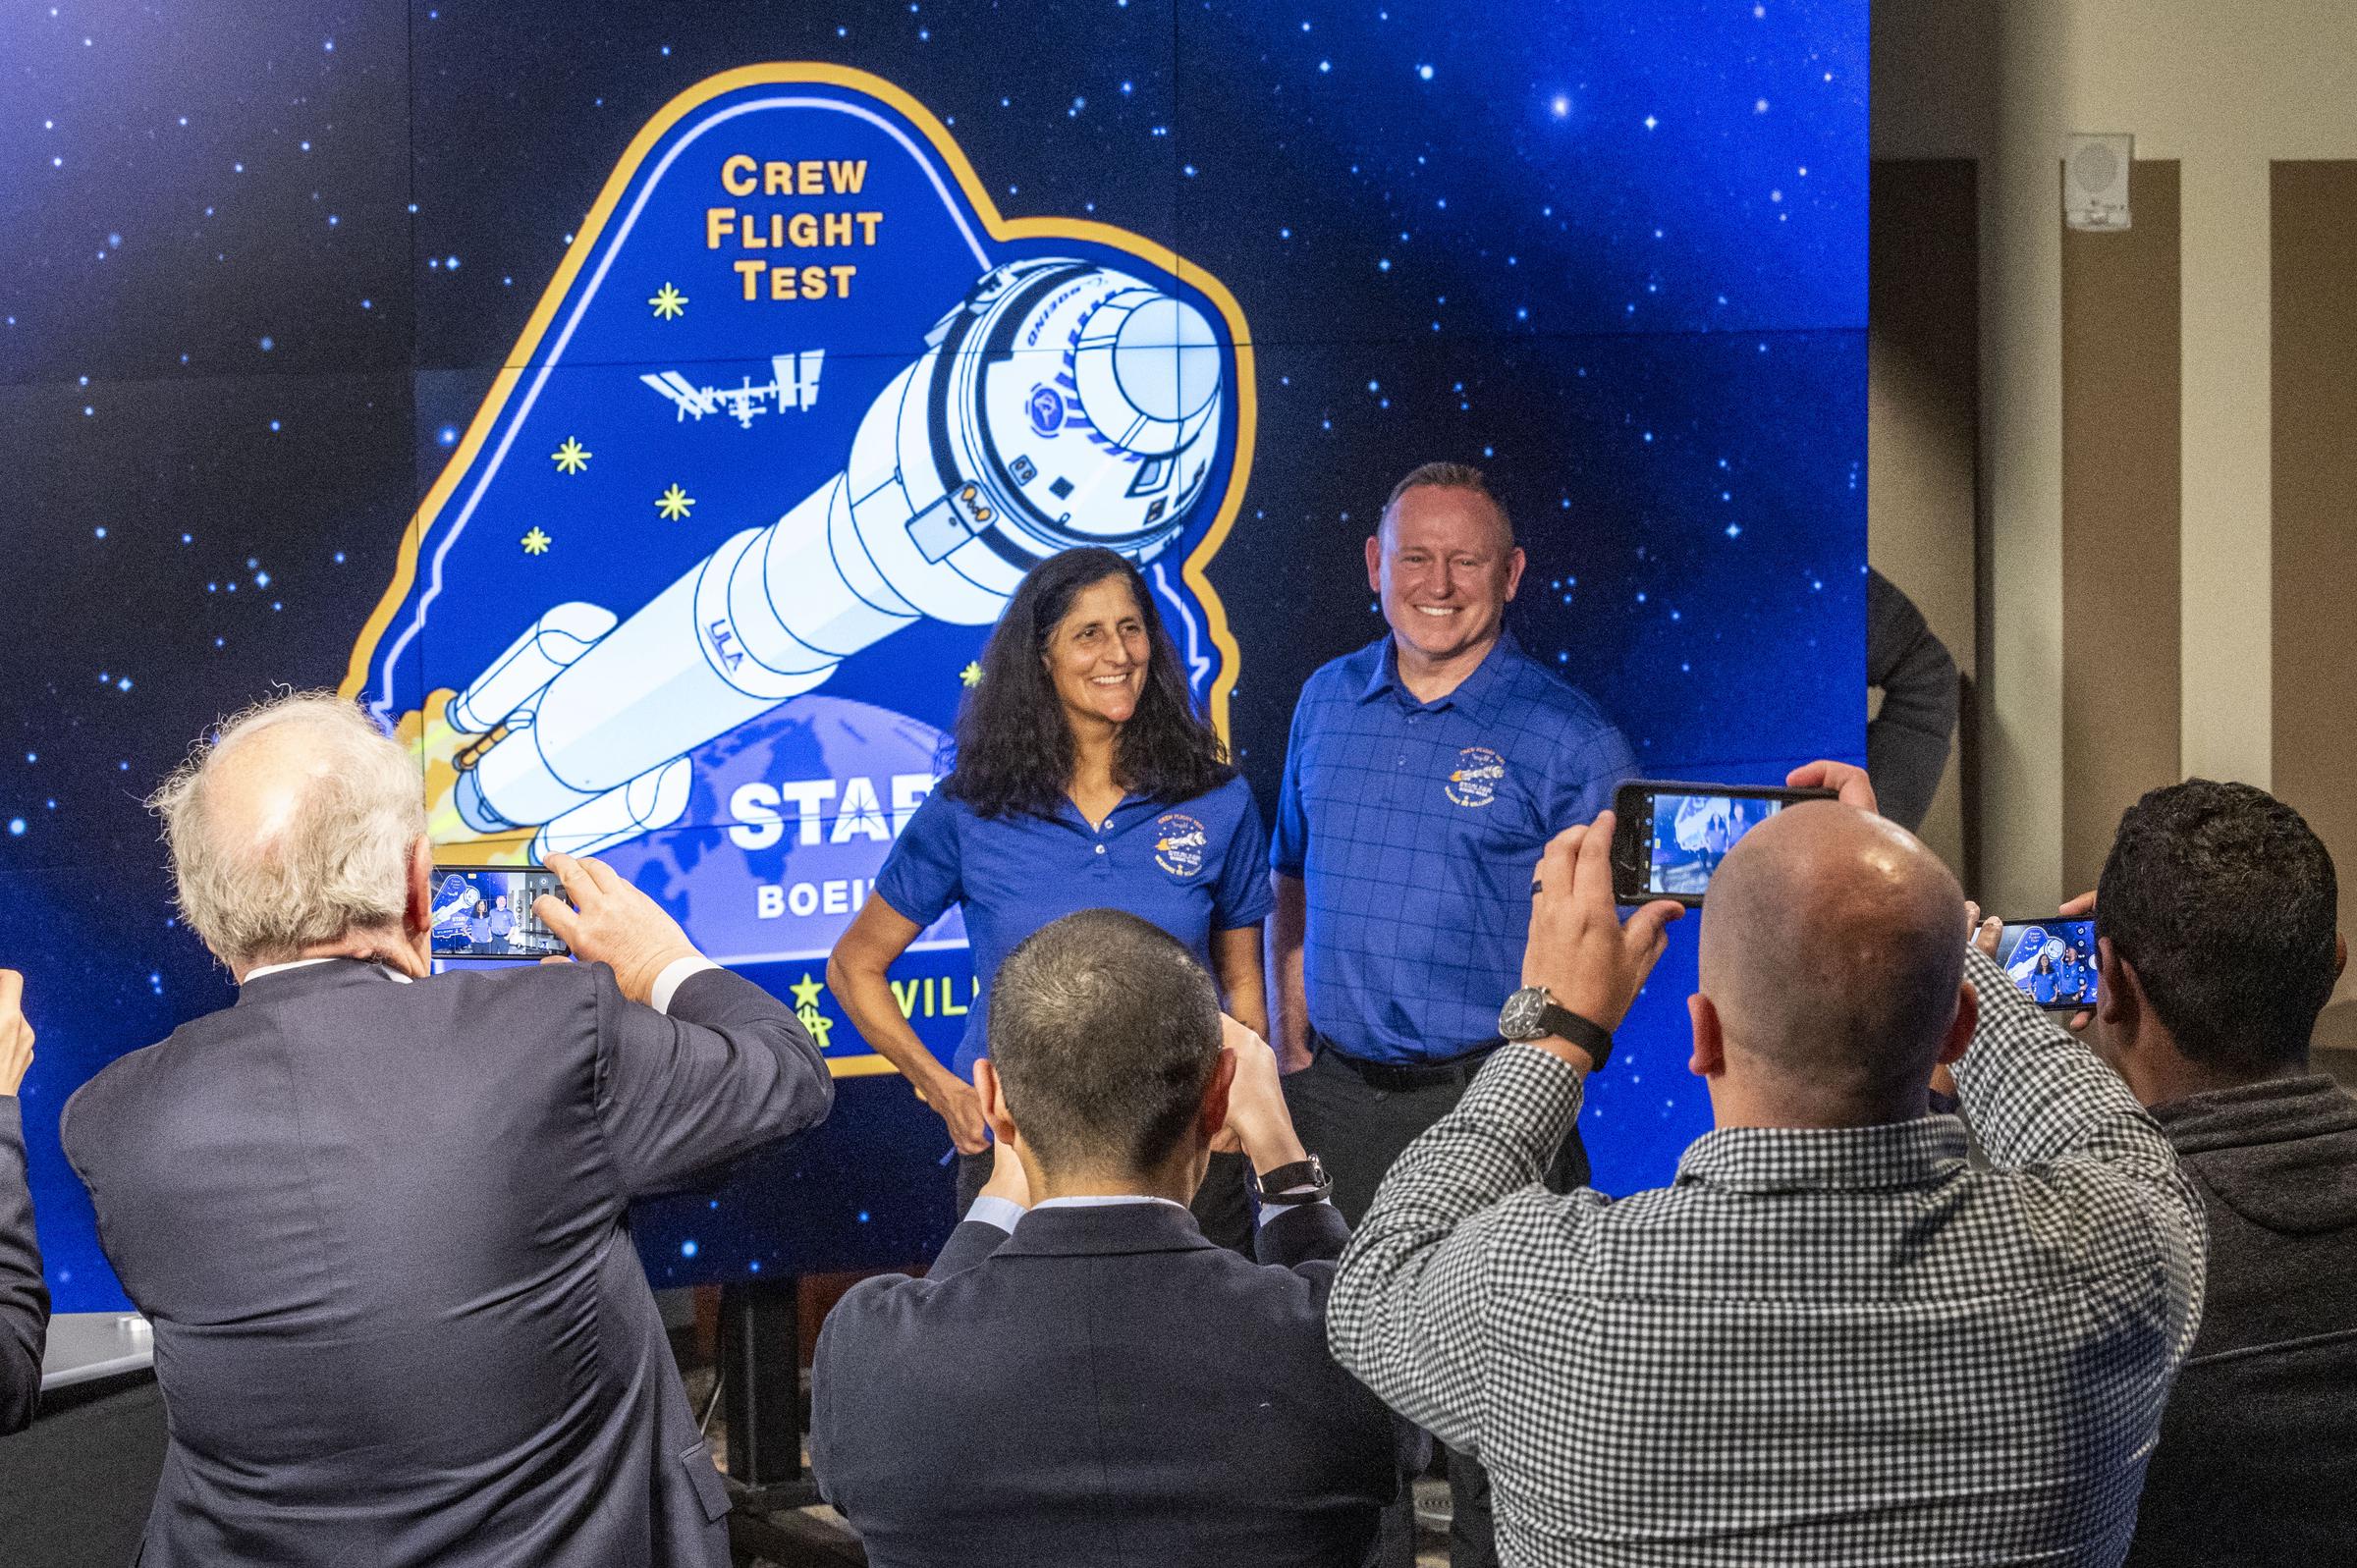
(1833, 947)
(291, 827)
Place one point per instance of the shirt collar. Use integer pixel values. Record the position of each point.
(1479, 693)
(255, 974)
(1121, 813)
(1102, 1201)
(1768, 1159)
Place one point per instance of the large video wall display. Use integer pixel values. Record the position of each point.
(646, 412)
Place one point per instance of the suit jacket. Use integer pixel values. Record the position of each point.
(382, 1232)
(1103, 1386)
(23, 1299)
(2257, 1461)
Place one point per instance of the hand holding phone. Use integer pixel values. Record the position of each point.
(2051, 960)
(611, 921)
(1588, 960)
(486, 913)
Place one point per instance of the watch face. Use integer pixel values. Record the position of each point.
(1519, 1019)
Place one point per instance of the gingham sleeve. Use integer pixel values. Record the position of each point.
(2037, 1098)
(1409, 1313)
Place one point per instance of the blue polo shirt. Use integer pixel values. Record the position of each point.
(1191, 869)
(1415, 828)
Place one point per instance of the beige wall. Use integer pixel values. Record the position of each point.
(2221, 90)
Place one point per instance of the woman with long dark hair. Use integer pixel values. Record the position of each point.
(2043, 981)
(1084, 778)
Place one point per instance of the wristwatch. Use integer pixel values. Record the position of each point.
(1302, 1182)
(1532, 1014)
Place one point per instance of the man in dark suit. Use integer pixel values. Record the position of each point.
(23, 1299)
(1098, 1383)
(379, 1218)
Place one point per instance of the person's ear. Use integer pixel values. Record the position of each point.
(2118, 993)
(417, 908)
(2340, 956)
(1212, 1114)
(993, 1095)
(1516, 561)
(1959, 1038)
(1710, 1038)
(1375, 561)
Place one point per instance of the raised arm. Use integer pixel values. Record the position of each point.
(24, 1298)
(696, 1065)
(2033, 1095)
(1407, 1313)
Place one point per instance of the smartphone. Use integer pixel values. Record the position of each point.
(2051, 960)
(1669, 837)
(485, 914)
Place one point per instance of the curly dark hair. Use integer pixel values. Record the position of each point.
(2225, 902)
(1015, 752)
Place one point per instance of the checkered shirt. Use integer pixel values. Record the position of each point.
(1822, 1346)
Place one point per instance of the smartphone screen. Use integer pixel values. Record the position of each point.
(2052, 961)
(1669, 837)
(485, 912)
(1692, 833)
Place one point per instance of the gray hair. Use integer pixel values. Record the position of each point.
(1105, 1032)
(1449, 476)
(336, 862)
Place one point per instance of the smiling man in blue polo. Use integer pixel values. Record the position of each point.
(1424, 776)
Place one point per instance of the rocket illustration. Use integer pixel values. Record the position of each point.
(1059, 404)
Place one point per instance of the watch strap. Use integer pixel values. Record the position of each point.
(1573, 1029)
(1277, 1187)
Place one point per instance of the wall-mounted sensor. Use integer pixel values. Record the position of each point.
(2095, 179)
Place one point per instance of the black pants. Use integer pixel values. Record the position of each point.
(1357, 1121)
(1223, 1205)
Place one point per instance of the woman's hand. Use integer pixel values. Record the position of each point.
(16, 1035)
(960, 1109)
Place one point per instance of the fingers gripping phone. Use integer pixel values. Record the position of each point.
(2051, 960)
(485, 912)
(1669, 837)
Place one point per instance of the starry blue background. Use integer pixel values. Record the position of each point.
(263, 254)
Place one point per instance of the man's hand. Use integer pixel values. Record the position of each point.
(611, 922)
(1847, 779)
(16, 1035)
(1579, 948)
(1007, 1178)
(1983, 933)
(1256, 1112)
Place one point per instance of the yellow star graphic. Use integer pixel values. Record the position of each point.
(971, 676)
(571, 458)
(807, 991)
(673, 503)
(668, 302)
(536, 543)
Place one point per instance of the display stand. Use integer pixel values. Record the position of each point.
(761, 1400)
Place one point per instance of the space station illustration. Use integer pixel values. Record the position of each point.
(968, 469)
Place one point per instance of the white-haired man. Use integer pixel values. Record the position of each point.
(380, 1226)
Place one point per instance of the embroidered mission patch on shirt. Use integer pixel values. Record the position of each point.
(1179, 843)
(1474, 781)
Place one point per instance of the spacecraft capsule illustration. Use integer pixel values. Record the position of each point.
(1059, 404)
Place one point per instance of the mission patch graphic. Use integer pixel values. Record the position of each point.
(707, 573)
